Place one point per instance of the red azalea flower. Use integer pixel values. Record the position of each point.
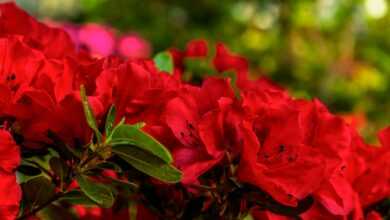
(373, 184)
(291, 147)
(197, 119)
(319, 212)
(332, 137)
(288, 171)
(96, 213)
(196, 48)
(374, 216)
(14, 21)
(224, 60)
(137, 89)
(266, 215)
(19, 63)
(10, 193)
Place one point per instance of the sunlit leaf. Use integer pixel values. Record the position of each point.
(148, 163)
(132, 135)
(97, 192)
(164, 62)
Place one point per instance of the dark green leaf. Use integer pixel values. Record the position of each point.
(125, 187)
(132, 135)
(110, 119)
(133, 209)
(111, 166)
(148, 163)
(89, 114)
(164, 62)
(64, 151)
(97, 192)
(76, 197)
(56, 212)
(38, 190)
(59, 167)
(122, 183)
(199, 67)
(29, 170)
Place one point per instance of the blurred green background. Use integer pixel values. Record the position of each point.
(336, 50)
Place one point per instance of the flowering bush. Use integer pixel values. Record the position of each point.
(107, 138)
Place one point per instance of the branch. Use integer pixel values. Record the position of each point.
(39, 208)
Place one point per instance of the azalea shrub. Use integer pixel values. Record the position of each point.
(185, 135)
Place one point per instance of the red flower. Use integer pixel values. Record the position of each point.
(196, 48)
(374, 216)
(224, 60)
(138, 90)
(319, 212)
(288, 171)
(14, 21)
(19, 63)
(373, 184)
(10, 193)
(96, 213)
(291, 148)
(197, 119)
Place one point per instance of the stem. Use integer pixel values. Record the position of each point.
(39, 208)
(94, 155)
(85, 162)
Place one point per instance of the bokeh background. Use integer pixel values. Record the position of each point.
(336, 50)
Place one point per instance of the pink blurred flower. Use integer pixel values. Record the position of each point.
(102, 40)
(98, 39)
(133, 46)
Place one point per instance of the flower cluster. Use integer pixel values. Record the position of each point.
(101, 40)
(243, 147)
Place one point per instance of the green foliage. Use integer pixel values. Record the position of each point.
(59, 168)
(148, 163)
(97, 192)
(136, 147)
(131, 135)
(89, 114)
(164, 62)
(77, 197)
(38, 191)
(110, 120)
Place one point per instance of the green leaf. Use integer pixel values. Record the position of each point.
(132, 135)
(59, 167)
(89, 114)
(55, 212)
(199, 67)
(110, 119)
(28, 170)
(139, 125)
(97, 192)
(128, 186)
(164, 62)
(248, 217)
(133, 209)
(38, 191)
(109, 165)
(63, 150)
(76, 197)
(148, 163)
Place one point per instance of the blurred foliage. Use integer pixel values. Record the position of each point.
(336, 50)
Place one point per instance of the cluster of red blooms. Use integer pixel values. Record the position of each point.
(240, 144)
